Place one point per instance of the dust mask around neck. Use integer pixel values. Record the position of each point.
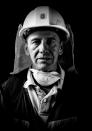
(45, 78)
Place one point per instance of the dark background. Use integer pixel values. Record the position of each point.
(74, 13)
(14, 13)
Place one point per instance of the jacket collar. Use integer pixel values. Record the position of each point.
(30, 80)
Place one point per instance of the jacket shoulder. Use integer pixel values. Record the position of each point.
(13, 83)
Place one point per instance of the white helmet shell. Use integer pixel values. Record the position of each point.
(44, 16)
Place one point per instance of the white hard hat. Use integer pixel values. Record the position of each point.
(46, 17)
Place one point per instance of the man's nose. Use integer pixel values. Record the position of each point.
(44, 46)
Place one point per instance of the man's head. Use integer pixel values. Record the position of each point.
(43, 22)
(43, 47)
(44, 30)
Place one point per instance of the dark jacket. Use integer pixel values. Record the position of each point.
(16, 111)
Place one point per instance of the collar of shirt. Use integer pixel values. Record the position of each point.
(33, 95)
(30, 81)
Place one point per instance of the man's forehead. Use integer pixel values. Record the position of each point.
(39, 34)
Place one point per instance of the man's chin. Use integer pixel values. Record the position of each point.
(42, 66)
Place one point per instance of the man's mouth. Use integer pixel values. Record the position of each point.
(44, 59)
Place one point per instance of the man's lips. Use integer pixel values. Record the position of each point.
(44, 58)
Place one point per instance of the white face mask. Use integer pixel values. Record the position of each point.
(45, 78)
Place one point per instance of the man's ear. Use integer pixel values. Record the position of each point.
(61, 49)
(26, 49)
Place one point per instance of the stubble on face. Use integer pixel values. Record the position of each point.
(44, 60)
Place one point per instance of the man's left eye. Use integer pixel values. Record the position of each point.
(50, 41)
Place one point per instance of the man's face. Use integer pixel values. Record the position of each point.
(43, 48)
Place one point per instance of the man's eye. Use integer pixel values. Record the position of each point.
(36, 42)
(51, 41)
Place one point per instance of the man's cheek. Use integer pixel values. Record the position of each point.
(55, 56)
(53, 49)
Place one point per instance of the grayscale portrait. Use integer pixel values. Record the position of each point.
(41, 92)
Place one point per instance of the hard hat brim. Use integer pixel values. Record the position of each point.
(60, 30)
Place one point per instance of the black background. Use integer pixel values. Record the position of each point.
(13, 13)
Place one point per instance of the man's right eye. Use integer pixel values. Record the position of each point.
(36, 41)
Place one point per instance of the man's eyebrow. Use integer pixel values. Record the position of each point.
(51, 37)
(36, 38)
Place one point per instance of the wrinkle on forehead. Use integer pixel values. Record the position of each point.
(45, 34)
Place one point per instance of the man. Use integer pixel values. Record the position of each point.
(40, 94)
